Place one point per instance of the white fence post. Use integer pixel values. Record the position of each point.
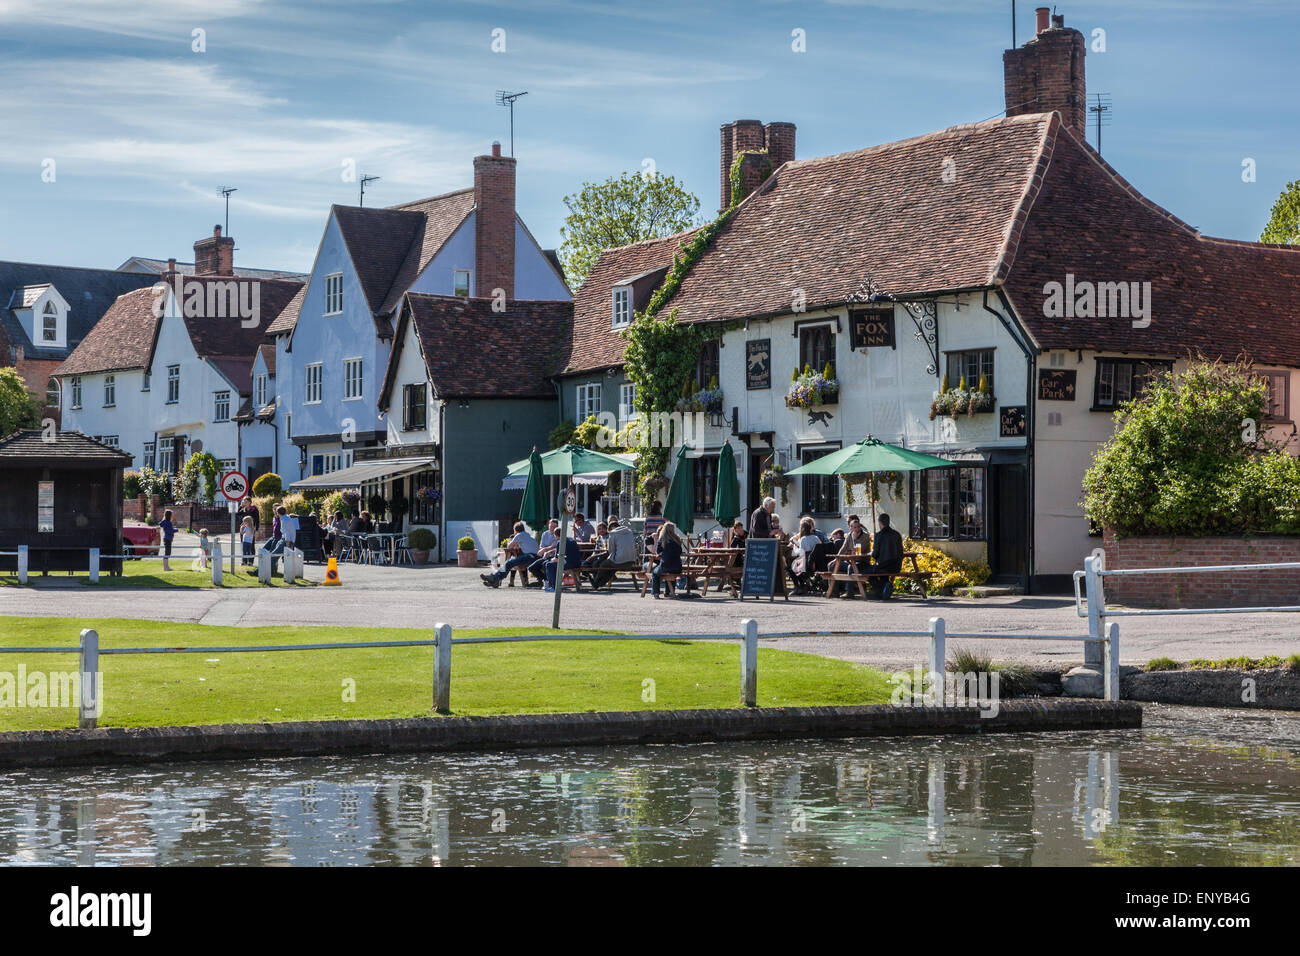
(938, 653)
(442, 670)
(1092, 653)
(264, 567)
(23, 558)
(1110, 656)
(216, 561)
(94, 565)
(90, 689)
(749, 663)
(289, 568)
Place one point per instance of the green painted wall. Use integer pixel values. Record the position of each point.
(478, 443)
(610, 389)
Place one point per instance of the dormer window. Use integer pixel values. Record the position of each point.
(460, 283)
(622, 313)
(50, 323)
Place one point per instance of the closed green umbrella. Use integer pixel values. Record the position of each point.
(535, 511)
(726, 497)
(870, 455)
(680, 506)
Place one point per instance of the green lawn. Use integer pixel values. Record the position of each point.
(149, 574)
(524, 678)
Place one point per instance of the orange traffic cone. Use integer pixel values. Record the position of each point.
(332, 574)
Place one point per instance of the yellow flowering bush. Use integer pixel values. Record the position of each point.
(949, 572)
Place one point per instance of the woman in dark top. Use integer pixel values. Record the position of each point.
(669, 549)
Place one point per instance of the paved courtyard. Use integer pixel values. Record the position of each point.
(420, 597)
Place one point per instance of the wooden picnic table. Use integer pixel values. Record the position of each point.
(835, 576)
(706, 563)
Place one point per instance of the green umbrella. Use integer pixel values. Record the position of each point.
(726, 497)
(680, 506)
(870, 455)
(572, 460)
(534, 511)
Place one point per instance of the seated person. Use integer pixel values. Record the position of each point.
(572, 560)
(623, 554)
(524, 548)
(887, 557)
(583, 532)
(856, 542)
(549, 544)
(599, 546)
(669, 548)
(803, 567)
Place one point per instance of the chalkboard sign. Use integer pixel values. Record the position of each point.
(759, 576)
(1056, 385)
(1012, 421)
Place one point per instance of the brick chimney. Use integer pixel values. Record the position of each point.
(1047, 73)
(751, 136)
(494, 223)
(215, 256)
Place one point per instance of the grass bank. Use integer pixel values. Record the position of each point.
(532, 678)
(149, 574)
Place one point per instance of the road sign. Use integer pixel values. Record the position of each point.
(234, 485)
(570, 501)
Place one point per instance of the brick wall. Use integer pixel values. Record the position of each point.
(494, 229)
(1229, 589)
(1047, 74)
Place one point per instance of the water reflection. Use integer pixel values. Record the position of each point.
(1193, 787)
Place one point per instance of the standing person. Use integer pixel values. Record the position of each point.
(888, 557)
(168, 532)
(524, 546)
(669, 549)
(205, 549)
(275, 545)
(760, 522)
(246, 532)
(857, 543)
(250, 511)
(582, 529)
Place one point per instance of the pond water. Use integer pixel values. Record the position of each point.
(1192, 787)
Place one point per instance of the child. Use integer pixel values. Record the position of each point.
(246, 535)
(205, 549)
(168, 532)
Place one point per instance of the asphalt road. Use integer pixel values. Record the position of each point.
(421, 597)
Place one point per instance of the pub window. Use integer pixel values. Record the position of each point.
(312, 383)
(173, 384)
(622, 309)
(821, 493)
(423, 510)
(972, 365)
(948, 504)
(707, 365)
(352, 381)
(221, 409)
(259, 391)
(50, 323)
(626, 401)
(110, 391)
(76, 391)
(334, 293)
(706, 483)
(816, 347)
(1279, 387)
(1119, 380)
(167, 455)
(415, 403)
(52, 393)
(587, 401)
(149, 458)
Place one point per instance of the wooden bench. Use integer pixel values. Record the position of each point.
(860, 578)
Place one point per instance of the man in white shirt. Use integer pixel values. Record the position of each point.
(524, 548)
(624, 553)
(550, 543)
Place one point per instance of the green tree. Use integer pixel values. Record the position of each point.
(628, 208)
(1284, 224)
(19, 408)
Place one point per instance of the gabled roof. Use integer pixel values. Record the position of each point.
(288, 317)
(30, 447)
(471, 351)
(266, 349)
(88, 292)
(443, 215)
(127, 335)
(596, 344)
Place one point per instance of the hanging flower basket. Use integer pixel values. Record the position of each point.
(811, 390)
(428, 494)
(773, 478)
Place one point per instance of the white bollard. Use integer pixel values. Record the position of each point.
(264, 567)
(749, 663)
(299, 557)
(938, 653)
(1110, 662)
(23, 559)
(216, 561)
(442, 670)
(94, 565)
(290, 566)
(90, 689)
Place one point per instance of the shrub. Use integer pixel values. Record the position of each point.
(950, 572)
(296, 505)
(465, 544)
(398, 507)
(267, 485)
(377, 506)
(131, 485)
(561, 435)
(266, 509)
(1161, 664)
(422, 539)
(1014, 679)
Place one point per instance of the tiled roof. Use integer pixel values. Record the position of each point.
(1218, 297)
(288, 317)
(266, 349)
(442, 215)
(596, 344)
(89, 293)
(74, 449)
(159, 266)
(126, 336)
(921, 215)
(472, 352)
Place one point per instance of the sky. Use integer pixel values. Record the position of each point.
(122, 124)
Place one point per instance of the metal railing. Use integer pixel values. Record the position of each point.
(90, 651)
(293, 558)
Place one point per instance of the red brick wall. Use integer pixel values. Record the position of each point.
(1210, 589)
(1047, 74)
(494, 229)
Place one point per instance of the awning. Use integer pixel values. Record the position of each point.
(517, 482)
(365, 471)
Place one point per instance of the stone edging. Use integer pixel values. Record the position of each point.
(234, 741)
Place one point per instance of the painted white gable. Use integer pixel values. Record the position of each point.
(32, 305)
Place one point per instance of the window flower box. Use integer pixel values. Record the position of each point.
(706, 400)
(962, 401)
(812, 389)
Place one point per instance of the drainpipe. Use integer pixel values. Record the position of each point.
(442, 478)
(1030, 410)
